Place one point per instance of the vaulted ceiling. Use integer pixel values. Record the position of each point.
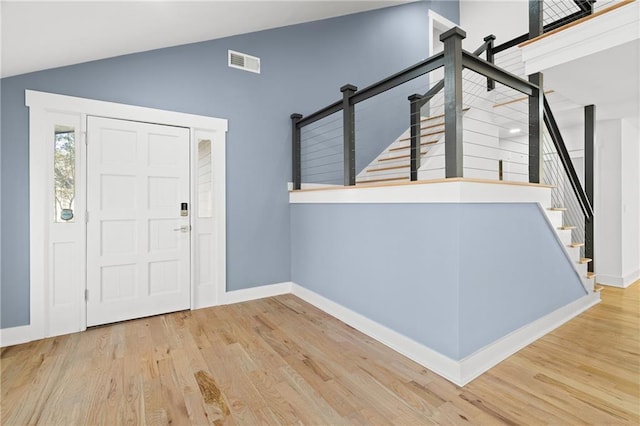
(38, 35)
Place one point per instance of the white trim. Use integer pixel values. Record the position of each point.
(482, 360)
(439, 21)
(244, 295)
(631, 278)
(458, 372)
(63, 103)
(616, 281)
(15, 335)
(210, 296)
(37, 229)
(441, 191)
(41, 105)
(434, 361)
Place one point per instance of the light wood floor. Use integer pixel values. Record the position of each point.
(281, 361)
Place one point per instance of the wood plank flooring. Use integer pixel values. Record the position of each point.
(281, 361)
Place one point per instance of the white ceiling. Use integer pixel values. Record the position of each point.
(609, 79)
(37, 35)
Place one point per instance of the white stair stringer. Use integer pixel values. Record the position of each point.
(573, 253)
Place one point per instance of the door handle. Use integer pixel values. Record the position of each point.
(183, 228)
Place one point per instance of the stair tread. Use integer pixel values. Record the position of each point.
(584, 260)
(439, 132)
(382, 180)
(439, 115)
(398, 157)
(567, 228)
(431, 126)
(591, 274)
(558, 209)
(402, 166)
(398, 148)
(574, 245)
(598, 288)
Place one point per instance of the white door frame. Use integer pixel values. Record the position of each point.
(41, 106)
(437, 21)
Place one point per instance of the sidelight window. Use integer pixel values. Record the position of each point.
(205, 181)
(64, 172)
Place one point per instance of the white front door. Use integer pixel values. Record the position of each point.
(138, 238)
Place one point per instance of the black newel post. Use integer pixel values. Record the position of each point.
(536, 101)
(296, 174)
(536, 128)
(489, 40)
(536, 27)
(589, 145)
(452, 40)
(416, 103)
(349, 134)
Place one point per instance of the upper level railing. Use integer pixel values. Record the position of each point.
(557, 13)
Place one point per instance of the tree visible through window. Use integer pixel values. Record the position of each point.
(64, 168)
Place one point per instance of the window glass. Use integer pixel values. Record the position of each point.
(64, 173)
(205, 183)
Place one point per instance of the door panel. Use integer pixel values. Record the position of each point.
(138, 247)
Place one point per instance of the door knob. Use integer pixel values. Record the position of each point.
(183, 228)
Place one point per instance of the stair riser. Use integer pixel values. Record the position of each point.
(574, 253)
(581, 268)
(565, 237)
(588, 283)
(555, 217)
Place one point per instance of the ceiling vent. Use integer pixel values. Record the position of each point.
(244, 62)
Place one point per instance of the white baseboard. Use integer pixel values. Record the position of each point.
(434, 361)
(482, 360)
(24, 334)
(632, 278)
(616, 281)
(260, 292)
(458, 372)
(15, 335)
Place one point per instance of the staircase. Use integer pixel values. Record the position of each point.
(571, 248)
(392, 165)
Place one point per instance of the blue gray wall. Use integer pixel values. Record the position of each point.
(454, 277)
(303, 67)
